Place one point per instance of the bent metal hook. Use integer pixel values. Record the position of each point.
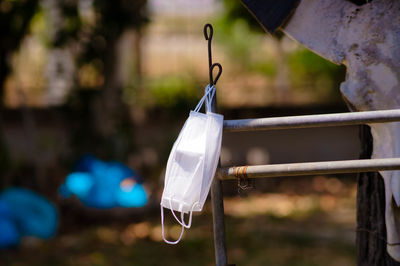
(208, 34)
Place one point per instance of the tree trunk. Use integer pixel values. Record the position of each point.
(137, 46)
(4, 159)
(111, 98)
(371, 229)
(111, 114)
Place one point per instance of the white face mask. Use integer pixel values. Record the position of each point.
(192, 163)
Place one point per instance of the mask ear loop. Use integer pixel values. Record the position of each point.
(197, 109)
(189, 224)
(162, 230)
(209, 89)
(210, 95)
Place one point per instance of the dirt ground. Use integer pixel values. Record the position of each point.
(316, 228)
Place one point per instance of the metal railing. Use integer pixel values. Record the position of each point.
(293, 169)
(307, 121)
(313, 168)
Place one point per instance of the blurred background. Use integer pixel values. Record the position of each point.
(114, 81)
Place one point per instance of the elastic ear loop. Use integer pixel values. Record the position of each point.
(206, 98)
(210, 94)
(162, 230)
(212, 90)
(176, 218)
(183, 214)
(197, 109)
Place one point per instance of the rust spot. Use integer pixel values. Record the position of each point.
(240, 172)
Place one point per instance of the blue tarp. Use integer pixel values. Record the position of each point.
(104, 185)
(25, 213)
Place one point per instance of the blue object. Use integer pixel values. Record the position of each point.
(9, 236)
(33, 214)
(104, 185)
(79, 183)
(5, 210)
(133, 197)
(64, 191)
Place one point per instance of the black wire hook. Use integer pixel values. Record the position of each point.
(208, 34)
(213, 82)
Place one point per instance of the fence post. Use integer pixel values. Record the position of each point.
(371, 229)
(218, 212)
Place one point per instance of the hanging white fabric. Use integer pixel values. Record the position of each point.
(192, 163)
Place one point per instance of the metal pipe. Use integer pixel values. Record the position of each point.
(218, 223)
(306, 121)
(217, 200)
(313, 168)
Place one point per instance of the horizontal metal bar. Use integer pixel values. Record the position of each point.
(306, 121)
(297, 169)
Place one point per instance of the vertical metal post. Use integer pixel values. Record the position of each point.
(218, 213)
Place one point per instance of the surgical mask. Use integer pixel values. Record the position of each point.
(192, 164)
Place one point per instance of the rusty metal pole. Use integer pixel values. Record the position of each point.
(218, 212)
(313, 168)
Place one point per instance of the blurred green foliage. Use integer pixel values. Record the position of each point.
(265, 67)
(241, 35)
(241, 44)
(15, 17)
(235, 10)
(245, 42)
(304, 63)
(174, 92)
(38, 25)
(310, 71)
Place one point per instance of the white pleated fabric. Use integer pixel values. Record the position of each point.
(192, 163)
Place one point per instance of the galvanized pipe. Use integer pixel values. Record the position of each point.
(217, 203)
(306, 121)
(313, 168)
